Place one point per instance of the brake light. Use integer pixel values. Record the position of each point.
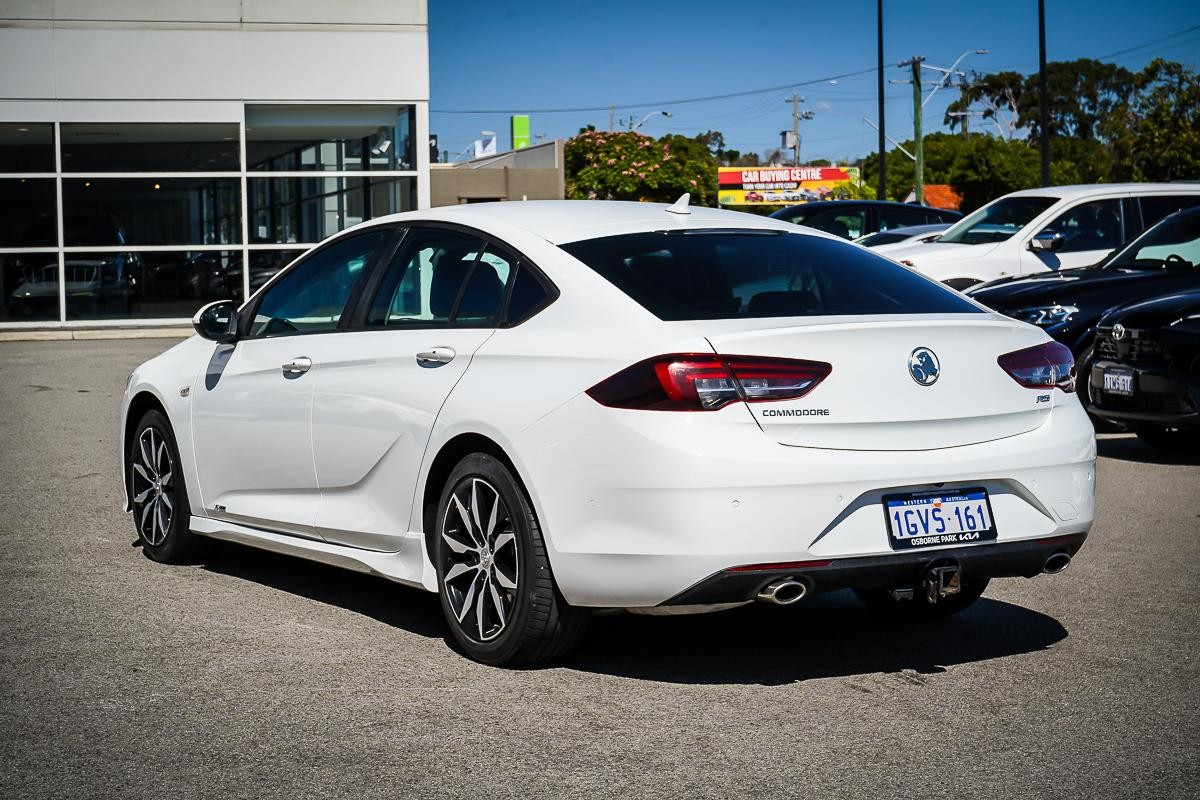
(697, 382)
(1043, 366)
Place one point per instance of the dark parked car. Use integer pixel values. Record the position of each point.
(1146, 371)
(1068, 303)
(851, 219)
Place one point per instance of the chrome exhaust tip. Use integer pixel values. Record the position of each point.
(783, 592)
(1056, 563)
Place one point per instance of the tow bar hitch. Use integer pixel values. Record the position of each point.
(942, 581)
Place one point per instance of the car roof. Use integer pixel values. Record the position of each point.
(1081, 190)
(563, 221)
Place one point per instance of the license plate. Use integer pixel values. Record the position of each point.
(940, 517)
(1118, 381)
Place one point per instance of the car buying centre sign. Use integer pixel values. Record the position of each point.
(738, 186)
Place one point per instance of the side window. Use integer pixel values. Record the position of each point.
(900, 217)
(1155, 207)
(1090, 226)
(527, 298)
(484, 295)
(311, 297)
(423, 283)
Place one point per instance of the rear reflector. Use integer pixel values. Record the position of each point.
(780, 565)
(699, 382)
(1044, 366)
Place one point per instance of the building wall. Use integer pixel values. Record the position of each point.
(531, 173)
(452, 186)
(321, 104)
(368, 50)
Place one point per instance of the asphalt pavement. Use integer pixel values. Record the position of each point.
(255, 675)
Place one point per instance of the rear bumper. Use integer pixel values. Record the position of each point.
(636, 509)
(1022, 559)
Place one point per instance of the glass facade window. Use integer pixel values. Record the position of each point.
(150, 147)
(287, 210)
(151, 211)
(29, 285)
(26, 147)
(343, 138)
(150, 285)
(28, 217)
(153, 217)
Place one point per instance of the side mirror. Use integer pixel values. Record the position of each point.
(217, 322)
(1047, 241)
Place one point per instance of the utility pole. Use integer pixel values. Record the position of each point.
(1043, 98)
(795, 129)
(612, 112)
(918, 139)
(881, 189)
(797, 115)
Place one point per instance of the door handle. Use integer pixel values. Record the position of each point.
(297, 366)
(435, 357)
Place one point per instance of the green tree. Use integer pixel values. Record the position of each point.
(1156, 137)
(988, 167)
(627, 165)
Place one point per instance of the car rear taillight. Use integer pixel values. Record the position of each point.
(1044, 366)
(698, 382)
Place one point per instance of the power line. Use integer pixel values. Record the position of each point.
(648, 104)
(1147, 44)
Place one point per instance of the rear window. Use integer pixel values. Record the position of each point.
(740, 274)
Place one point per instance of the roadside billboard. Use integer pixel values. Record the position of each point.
(754, 186)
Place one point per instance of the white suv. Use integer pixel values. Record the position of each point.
(1036, 230)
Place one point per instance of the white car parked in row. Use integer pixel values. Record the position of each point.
(539, 408)
(1035, 230)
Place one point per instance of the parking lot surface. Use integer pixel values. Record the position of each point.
(255, 675)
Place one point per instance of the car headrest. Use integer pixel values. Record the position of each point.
(448, 275)
(484, 293)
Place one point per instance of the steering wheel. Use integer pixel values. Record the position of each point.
(1175, 258)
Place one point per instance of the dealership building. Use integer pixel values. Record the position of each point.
(159, 154)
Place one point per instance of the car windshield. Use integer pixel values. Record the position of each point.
(996, 221)
(733, 274)
(1173, 243)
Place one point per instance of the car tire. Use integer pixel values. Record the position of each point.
(494, 579)
(1170, 438)
(158, 493)
(881, 602)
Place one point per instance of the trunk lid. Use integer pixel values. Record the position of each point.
(871, 400)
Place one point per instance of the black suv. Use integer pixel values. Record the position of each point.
(1146, 371)
(851, 219)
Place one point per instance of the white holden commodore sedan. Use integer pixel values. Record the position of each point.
(536, 409)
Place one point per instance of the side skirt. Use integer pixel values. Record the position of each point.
(410, 566)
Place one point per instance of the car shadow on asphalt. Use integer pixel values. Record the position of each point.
(825, 636)
(828, 635)
(378, 598)
(1127, 447)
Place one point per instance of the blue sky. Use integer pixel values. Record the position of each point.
(535, 56)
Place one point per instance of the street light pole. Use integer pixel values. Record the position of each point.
(1043, 99)
(642, 121)
(881, 189)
